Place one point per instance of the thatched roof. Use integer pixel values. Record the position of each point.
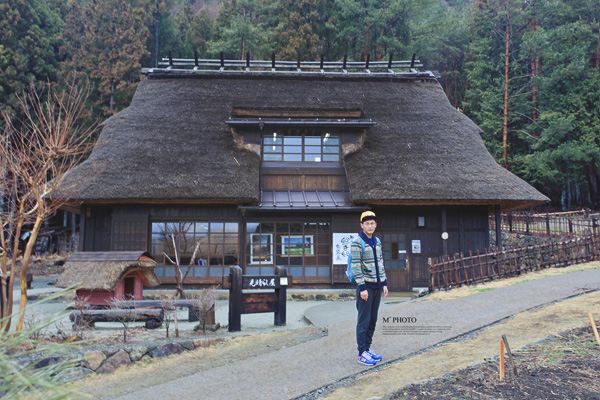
(100, 270)
(172, 143)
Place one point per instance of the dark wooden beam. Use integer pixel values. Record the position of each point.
(498, 220)
(445, 229)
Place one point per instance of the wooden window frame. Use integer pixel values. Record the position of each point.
(303, 154)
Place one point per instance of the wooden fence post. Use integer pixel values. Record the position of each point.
(501, 360)
(235, 299)
(570, 226)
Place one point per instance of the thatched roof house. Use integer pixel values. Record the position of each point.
(102, 275)
(172, 138)
(238, 146)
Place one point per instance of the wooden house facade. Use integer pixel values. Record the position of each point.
(272, 166)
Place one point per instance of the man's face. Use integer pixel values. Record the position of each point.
(369, 226)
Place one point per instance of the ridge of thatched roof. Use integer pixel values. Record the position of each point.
(101, 270)
(172, 143)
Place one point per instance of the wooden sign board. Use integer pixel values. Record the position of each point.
(258, 303)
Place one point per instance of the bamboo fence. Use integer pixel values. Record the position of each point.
(454, 271)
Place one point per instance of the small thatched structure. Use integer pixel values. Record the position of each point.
(100, 275)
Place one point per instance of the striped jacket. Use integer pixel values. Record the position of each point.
(363, 264)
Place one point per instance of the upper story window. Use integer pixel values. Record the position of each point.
(310, 147)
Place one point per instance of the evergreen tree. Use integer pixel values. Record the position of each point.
(29, 38)
(566, 156)
(105, 40)
(241, 28)
(303, 28)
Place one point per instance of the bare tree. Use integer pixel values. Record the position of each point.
(175, 239)
(80, 304)
(36, 152)
(123, 316)
(204, 304)
(170, 310)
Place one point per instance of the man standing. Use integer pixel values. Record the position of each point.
(369, 274)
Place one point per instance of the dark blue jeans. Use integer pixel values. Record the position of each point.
(367, 318)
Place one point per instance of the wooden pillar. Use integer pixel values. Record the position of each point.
(242, 241)
(444, 229)
(235, 299)
(461, 233)
(82, 219)
(498, 227)
(280, 296)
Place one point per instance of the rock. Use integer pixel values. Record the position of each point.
(321, 297)
(137, 352)
(93, 359)
(115, 361)
(211, 328)
(166, 350)
(188, 344)
(44, 362)
(74, 374)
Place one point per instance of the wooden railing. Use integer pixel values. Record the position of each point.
(458, 270)
(577, 223)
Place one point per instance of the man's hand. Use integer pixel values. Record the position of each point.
(385, 291)
(364, 295)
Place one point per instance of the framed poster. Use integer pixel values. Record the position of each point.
(416, 246)
(297, 245)
(341, 246)
(261, 248)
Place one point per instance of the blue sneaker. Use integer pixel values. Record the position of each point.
(366, 359)
(375, 357)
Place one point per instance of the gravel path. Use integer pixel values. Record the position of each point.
(296, 370)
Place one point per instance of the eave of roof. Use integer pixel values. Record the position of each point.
(325, 122)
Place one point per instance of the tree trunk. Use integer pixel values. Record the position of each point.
(25, 265)
(156, 34)
(506, 64)
(242, 48)
(8, 306)
(112, 98)
(534, 73)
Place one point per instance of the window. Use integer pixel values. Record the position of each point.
(310, 147)
(303, 247)
(215, 243)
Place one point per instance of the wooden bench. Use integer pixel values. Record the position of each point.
(193, 312)
(152, 317)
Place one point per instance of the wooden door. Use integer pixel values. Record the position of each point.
(419, 270)
(395, 261)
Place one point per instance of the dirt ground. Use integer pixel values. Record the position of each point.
(563, 367)
(521, 330)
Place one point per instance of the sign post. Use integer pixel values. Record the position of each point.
(250, 303)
